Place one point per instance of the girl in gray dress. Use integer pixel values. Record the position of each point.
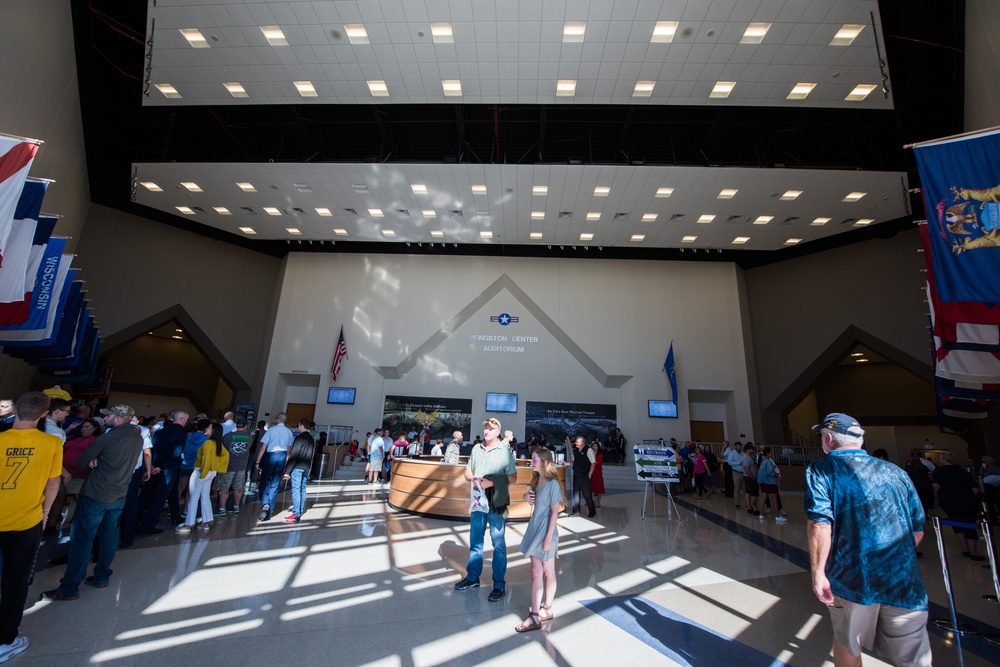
(541, 540)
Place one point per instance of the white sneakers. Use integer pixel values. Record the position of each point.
(8, 651)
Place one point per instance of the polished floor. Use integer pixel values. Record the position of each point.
(357, 583)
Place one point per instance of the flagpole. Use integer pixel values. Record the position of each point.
(28, 139)
(953, 136)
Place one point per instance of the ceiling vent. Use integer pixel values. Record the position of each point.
(198, 208)
(360, 188)
(791, 220)
(565, 215)
(402, 212)
(350, 211)
(247, 210)
(298, 211)
(734, 218)
(677, 216)
(620, 217)
(848, 221)
(302, 187)
(456, 213)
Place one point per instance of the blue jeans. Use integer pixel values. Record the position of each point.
(92, 519)
(299, 478)
(477, 534)
(270, 477)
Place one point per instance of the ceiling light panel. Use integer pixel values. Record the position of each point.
(151, 186)
(706, 218)
(451, 87)
(790, 195)
(860, 92)
(819, 222)
(442, 33)
(324, 212)
(271, 210)
(479, 189)
(485, 235)
(663, 32)
(356, 33)
(339, 231)
(535, 235)
(418, 188)
(378, 88)
(438, 234)
(800, 91)
(274, 35)
(388, 232)
(586, 236)
(649, 217)
(740, 240)
(376, 213)
(574, 31)
(168, 91)
(305, 88)
(186, 210)
(538, 215)
(722, 89)
(755, 32)
(854, 196)
(191, 186)
(593, 216)
(637, 237)
(643, 88)
(565, 87)
(602, 191)
(293, 230)
(429, 213)
(540, 190)
(728, 193)
(689, 239)
(236, 89)
(247, 230)
(246, 187)
(763, 219)
(847, 34)
(221, 210)
(662, 193)
(793, 241)
(195, 38)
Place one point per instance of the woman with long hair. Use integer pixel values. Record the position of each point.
(212, 458)
(597, 480)
(541, 539)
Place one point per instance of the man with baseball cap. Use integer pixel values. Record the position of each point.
(111, 459)
(491, 467)
(865, 521)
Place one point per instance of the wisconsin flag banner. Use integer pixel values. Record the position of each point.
(16, 156)
(960, 180)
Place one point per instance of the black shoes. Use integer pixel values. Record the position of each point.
(54, 595)
(467, 584)
(90, 581)
(496, 595)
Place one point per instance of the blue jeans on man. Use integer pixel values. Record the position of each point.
(91, 520)
(477, 535)
(270, 477)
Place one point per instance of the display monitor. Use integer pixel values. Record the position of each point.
(666, 409)
(341, 395)
(497, 402)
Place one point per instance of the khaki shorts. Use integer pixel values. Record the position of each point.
(897, 635)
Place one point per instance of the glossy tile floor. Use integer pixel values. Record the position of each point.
(357, 583)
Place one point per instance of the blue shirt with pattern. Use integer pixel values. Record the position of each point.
(873, 510)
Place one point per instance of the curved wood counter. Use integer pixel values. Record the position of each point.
(428, 487)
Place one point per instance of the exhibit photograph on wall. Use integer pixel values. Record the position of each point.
(431, 418)
(559, 421)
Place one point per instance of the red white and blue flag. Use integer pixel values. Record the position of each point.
(16, 156)
(14, 278)
(339, 355)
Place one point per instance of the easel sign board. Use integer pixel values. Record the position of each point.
(655, 464)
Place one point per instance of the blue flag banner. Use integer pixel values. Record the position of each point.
(960, 180)
(668, 366)
(58, 294)
(42, 292)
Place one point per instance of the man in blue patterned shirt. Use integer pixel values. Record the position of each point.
(865, 521)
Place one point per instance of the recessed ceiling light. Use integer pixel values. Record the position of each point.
(429, 213)
(168, 91)
(356, 33)
(306, 88)
(740, 240)
(594, 216)
(192, 186)
(763, 219)
(195, 38)
(292, 230)
(247, 230)
(565, 87)
(602, 191)
(388, 232)
(274, 35)
(864, 221)
(538, 215)
(442, 33)
(847, 34)
(325, 212)
(376, 213)
(662, 193)
(862, 360)
(819, 222)
(664, 31)
(728, 193)
(151, 186)
(221, 210)
(722, 89)
(574, 31)
(790, 195)
(236, 89)
(378, 88)
(418, 188)
(478, 189)
(182, 338)
(648, 217)
(800, 91)
(436, 233)
(857, 354)
(246, 187)
(637, 237)
(643, 88)
(793, 241)
(535, 235)
(270, 210)
(186, 210)
(485, 235)
(854, 196)
(539, 189)
(689, 239)
(451, 87)
(860, 92)
(586, 237)
(706, 218)
(754, 34)
(340, 231)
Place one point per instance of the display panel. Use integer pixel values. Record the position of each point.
(341, 395)
(666, 409)
(499, 402)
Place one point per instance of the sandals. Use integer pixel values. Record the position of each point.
(544, 613)
(536, 624)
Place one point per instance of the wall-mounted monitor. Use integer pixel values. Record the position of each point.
(497, 402)
(341, 395)
(666, 409)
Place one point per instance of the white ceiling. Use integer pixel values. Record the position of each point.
(506, 208)
(512, 51)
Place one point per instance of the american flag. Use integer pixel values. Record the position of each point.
(339, 355)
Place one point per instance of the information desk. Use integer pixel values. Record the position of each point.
(429, 487)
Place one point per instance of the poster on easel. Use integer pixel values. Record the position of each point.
(655, 462)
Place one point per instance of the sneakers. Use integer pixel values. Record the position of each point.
(183, 529)
(235, 510)
(8, 651)
(292, 518)
(466, 584)
(90, 581)
(221, 512)
(205, 527)
(781, 519)
(496, 595)
(761, 517)
(265, 512)
(54, 595)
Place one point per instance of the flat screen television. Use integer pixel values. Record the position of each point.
(341, 395)
(497, 402)
(666, 409)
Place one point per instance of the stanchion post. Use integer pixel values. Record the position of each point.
(985, 525)
(947, 587)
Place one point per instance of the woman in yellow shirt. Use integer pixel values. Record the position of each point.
(212, 459)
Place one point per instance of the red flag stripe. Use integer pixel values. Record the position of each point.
(16, 159)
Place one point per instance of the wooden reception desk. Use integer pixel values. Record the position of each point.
(432, 488)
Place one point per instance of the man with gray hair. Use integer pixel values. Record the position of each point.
(865, 521)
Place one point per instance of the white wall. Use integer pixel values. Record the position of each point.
(148, 405)
(621, 314)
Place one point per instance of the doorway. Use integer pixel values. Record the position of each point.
(296, 411)
(702, 431)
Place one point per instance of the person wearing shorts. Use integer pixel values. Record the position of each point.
(863, 552)
(750, 489)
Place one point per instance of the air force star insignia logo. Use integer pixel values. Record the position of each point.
(504, 319)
